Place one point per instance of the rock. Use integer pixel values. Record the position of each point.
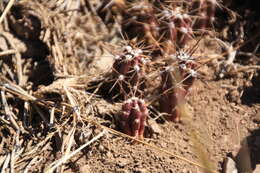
(257, 169)
(154, 126)
(121, 162)
(103, 63)
(229, 166)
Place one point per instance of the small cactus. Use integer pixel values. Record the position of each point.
(178, 24)
(133, 118)
(128, 71)
(140, 21)
(176, 84)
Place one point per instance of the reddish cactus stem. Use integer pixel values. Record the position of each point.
(167, 92)
(176, 98)
(171, 97)
(180, 24)
(184, 31)
(176, 84)
(210, 9)
(133, 118)
(166, 85)
(143, 118)
(173, 31)
(126, 107)
(152, 23)
(207, 11)
(127, 69)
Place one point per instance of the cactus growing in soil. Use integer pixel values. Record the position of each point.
(178, 26)
(128, 71)
(140, 21)
(176, 84)
(166, 27)
(133, 117)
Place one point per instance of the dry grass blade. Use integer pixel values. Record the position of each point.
(9, 112)
(74, 104)
(6, 162)
(66, 157)
(2, 159)
(32, 162)
(52, 116)
(15, 152)
(21, 79)
(26, 115)
(67, 142)
(18, 91)
(8, 52)
(8, 7)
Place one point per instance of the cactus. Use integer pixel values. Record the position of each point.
(140, 21)
(166, 27)
(128, 71)
(133, 118)
(176, 84)
(178, 25)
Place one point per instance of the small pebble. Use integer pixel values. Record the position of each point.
(154, 126)
(229, 166)
(121, 163)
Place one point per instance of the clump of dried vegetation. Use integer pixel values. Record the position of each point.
(68, 64)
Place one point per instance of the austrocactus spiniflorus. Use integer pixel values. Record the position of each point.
(167, 28)
(128, 71)
(176, 84)
(177, 25)
(133, 117)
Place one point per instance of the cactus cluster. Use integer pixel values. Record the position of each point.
(167, 27)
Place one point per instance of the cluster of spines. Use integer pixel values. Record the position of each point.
(178, 25)
(128, 71)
